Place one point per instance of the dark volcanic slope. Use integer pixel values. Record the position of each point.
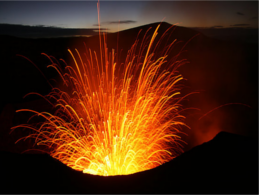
(226, 164)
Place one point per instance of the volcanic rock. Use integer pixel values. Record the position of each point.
(226, 164)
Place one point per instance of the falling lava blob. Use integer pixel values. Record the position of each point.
(111, 120)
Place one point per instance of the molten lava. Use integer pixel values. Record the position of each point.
(112, 122)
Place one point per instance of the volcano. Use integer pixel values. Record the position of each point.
(221, 71)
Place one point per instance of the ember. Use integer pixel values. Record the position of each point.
(112, 122)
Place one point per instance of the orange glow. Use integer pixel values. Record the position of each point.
(111, 120)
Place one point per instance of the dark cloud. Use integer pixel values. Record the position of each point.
(39, 31)
(239, 25)
(241, 14)
(122, 22)
(117, 22)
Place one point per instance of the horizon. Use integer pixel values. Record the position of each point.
(233, 33)
(117, 16)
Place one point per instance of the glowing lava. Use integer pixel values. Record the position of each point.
(112, 122)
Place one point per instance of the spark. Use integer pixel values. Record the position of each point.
(111, 120)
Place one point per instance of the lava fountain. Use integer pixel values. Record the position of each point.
(113, 119)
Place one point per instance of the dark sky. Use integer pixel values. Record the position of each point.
(83, 14)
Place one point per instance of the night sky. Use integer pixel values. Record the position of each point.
(83, 14)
